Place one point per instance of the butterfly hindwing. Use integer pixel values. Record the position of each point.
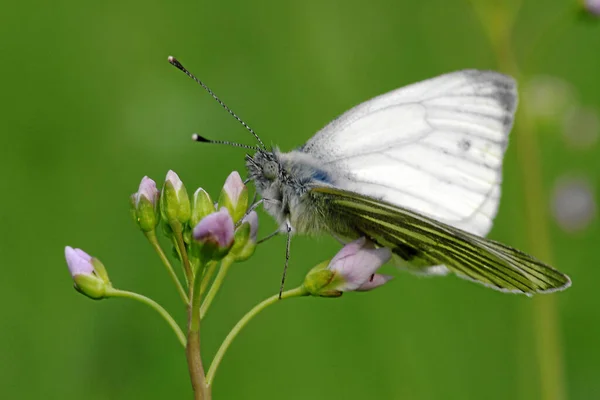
(424, 242)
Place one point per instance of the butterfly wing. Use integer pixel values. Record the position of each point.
(435, 147)
(423, 240)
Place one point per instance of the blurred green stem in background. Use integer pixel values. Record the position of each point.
(151, 236)
(159, 309)
(498, 21)
(212, 370)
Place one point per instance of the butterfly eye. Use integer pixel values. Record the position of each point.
(270, 170)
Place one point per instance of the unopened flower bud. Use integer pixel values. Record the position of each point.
(245, 238)
(88, 273)
(174, 202)
(234, 196)
(144, 205)
(352, 269)
(215, 233)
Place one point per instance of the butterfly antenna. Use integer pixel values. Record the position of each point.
(202, 139)
(173, 61)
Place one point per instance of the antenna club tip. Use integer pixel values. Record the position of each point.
(198, 138)
(173, 61)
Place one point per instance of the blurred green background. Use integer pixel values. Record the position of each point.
(90, 105)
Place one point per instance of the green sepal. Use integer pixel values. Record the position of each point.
(100, 270)
(91, 286)
(321, 281)
(212, 252)
(146, 215)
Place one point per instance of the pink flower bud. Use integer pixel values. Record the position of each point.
(234, 196)
(173, 178)
(216, 228)
(88, 273)
(234, 187)
(146, 190)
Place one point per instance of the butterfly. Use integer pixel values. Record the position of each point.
(417, 170)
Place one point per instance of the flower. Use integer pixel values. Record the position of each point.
(352, 269)
(215, 229)
(234, 196)
(88, 273)
(143, 204)
(592, 6)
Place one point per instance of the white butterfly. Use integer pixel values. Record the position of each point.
(417, 170)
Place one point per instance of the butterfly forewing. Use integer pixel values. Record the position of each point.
(435, 146)
(423, 242)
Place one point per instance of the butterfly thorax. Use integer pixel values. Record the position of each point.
(283, 181)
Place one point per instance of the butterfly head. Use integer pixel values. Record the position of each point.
(264, 168)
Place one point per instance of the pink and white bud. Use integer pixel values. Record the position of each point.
(174, 202)
(144, 205)
(148, 191)
(173, 178)
(216, 228)
(88, 273)
(234, 196)
(234, 187)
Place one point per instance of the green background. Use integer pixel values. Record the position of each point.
(90, 105)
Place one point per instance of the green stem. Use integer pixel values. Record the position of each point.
(177, 234)
(157, 307)
(297, 292)
(154, 242)
(210, 271)
(197, 377)
(545, 314)
(225, 264)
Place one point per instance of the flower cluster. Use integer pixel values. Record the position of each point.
(207, 237)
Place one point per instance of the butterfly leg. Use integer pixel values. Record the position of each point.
(269, 236)
(249, 210)
(287, 255)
